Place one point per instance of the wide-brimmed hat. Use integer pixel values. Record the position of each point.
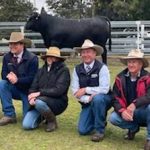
(135, 54)
(17, 37)
(89, 44)
(53, 51)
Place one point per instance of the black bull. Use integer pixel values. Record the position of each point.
(69, 33)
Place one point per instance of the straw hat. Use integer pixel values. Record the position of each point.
(89, 44)
(53, 51)
(135, 54)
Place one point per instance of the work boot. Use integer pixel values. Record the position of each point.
(7, 120)
(147, 145)
(51, 121)
(131, 135)
(97, 137)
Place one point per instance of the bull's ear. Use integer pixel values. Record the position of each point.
(43, 11)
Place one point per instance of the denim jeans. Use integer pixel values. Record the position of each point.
(93, 117)
(8, 92)
(33, 117)
(141, 118)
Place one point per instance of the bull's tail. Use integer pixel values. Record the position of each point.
(110, 41)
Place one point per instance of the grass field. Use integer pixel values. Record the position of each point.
(66, 137)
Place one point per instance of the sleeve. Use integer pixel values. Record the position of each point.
(104, 82)
(143, 100)
(75, 87)
(5, 70)
(75, 82)
(117, 98)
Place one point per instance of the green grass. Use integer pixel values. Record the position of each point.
(66, 137)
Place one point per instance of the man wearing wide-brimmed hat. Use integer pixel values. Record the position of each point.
(18, 70)
(90, 85)
(48, 92)
(131, 99)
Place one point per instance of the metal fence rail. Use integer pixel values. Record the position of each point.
(125, 36)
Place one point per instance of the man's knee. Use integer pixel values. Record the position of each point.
(40, 105)
(114, 118)
(98, 99)
(148, 108)
(3, 84)
(26, 125)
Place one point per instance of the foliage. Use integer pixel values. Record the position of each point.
(15, 10)
(69, 8)
(113, 9)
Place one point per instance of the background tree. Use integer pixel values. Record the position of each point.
(69, 8)
(15, 10)
(113, 9)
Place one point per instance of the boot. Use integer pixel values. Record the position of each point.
(51, 121)
(147, 145)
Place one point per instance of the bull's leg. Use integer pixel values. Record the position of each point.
(104, 55)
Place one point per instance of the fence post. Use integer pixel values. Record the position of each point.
(142, 36)
(138, 41)
(22, 29)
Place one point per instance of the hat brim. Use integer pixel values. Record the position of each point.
(125, 59)
(45, 56)
(99, 49)
(25, 41)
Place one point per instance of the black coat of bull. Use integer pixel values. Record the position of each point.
(69, 33)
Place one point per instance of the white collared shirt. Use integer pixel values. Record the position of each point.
(103, 88)
(19, 57)
(91, 65)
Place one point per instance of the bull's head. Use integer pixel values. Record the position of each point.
(33, 23)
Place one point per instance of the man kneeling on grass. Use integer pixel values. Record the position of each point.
(48, 92)
(90, 85)
(131, 100)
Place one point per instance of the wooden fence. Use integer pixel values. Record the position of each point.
(125, 36)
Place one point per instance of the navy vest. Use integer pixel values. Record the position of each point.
(91, 78)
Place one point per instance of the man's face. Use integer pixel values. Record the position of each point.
(88, 55)
(134, 65)
(16, 48)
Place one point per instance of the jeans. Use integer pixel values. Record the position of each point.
(141, 118)
(9, 91)
(94, 115)
(33, 118)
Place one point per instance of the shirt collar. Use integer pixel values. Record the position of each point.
(19, 55)
(91, 64)
(133, 78)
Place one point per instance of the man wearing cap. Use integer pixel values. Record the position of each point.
(90, 85)
(48, 92)
(18, 70)
(131, 96)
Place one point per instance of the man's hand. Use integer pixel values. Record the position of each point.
(80, 93)
(12, 78)
(131, 108)
(91, 97)
(33, 95)
(32, 101)
(126, 115)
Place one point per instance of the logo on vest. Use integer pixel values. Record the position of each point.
(94, 75)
